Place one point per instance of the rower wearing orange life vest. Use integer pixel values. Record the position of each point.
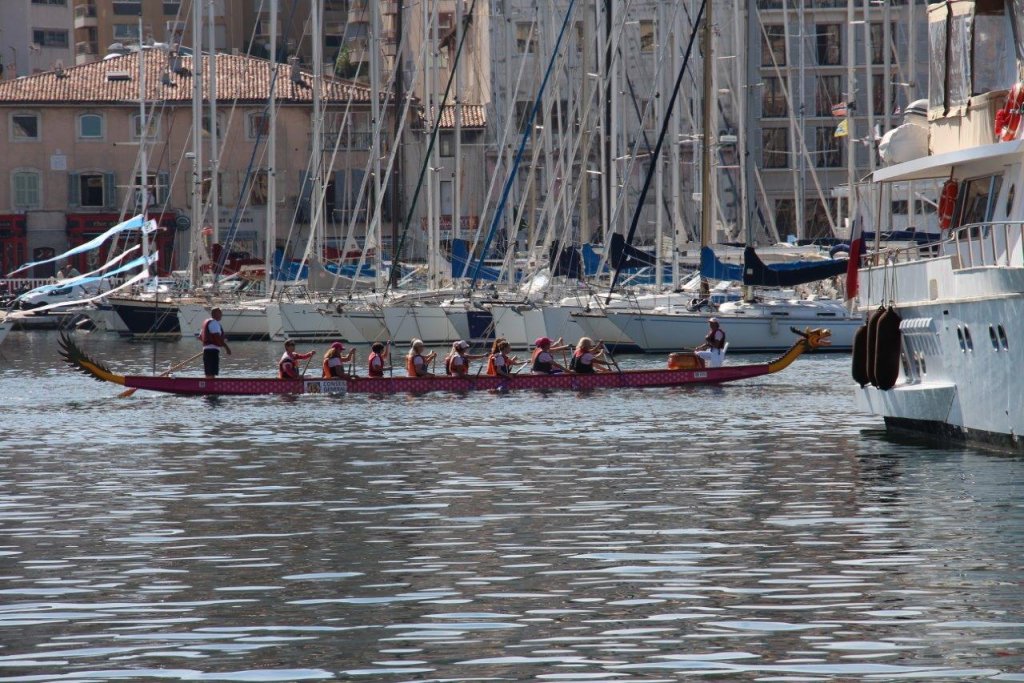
(500, 364)
(288, 367)
(334, 361)
(379, 352)
(416, 363)
(456, 363)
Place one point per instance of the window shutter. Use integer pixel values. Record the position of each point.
(74, 190)
(163, 178)
(357, 176)
(341, 204)
(109, 191)
(305, 192)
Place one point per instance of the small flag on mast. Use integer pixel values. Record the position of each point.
(842, 130)
(840, 109)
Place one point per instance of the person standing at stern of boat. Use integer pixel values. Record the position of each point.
(334, 361)
(211, 336)
(456, 363)
(379, 352)
(588, 358)
(417, 364)
(288, 366)
(713, 348)
(542, 362)
(499, 363)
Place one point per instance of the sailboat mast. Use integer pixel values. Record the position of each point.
(705, 155)
(214, 144)
(271, 237)
(317, 190)
(143, 161)
(197, 144)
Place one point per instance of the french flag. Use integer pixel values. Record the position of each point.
(856, 249)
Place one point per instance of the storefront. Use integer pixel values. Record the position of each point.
(83, 227)
(13, 243)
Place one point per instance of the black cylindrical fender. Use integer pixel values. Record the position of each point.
(860, 356)
(888, 344)
(872, 335)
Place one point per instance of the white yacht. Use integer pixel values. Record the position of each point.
(952, 369)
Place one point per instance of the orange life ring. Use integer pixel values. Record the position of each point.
(947, 202)
(1008, 118)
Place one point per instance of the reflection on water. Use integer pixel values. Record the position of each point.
(755, 531)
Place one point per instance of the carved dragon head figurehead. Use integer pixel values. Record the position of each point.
(816, 338)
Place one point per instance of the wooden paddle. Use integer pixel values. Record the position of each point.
(179, 366)
(609, 356)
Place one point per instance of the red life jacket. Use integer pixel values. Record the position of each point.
(536, 366)
(207, 337)
(339, 371)
(450, 369)
(374, 361)
(286, 368)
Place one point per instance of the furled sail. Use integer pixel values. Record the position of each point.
(759, 274)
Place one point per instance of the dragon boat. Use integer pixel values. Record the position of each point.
(683, 368)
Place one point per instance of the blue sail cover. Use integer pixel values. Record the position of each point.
(290, 271)
(461, 264)
(714, 269)
(757, 273)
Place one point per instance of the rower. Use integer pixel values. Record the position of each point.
(713, 348)
(588, 357)
(287, 367)
(334, 361)
(379, 352)
(542, 362)
(499, 363)
(456, 363)
(417, 364)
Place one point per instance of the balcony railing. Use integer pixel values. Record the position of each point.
(85, 48)
(85, 11)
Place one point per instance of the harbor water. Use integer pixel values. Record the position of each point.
(755, 531)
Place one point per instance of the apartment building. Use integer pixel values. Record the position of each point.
(35, 35)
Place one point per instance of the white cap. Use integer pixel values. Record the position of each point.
(713, 320)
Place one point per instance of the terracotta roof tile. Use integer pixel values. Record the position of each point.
(473, 116)
(239, 78)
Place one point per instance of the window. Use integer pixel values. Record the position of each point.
(526, 38)
(447, 198)
(60, 3)
(154, 126)
(25, 190)
(829, 46)
(171, 9)
(978, 199)
(90, 127)
(878, 44)
(826, 95)
(773, 47)
(816, 217)
(128, 7)
(49, 37)
(773, 96)
(220, 125)
(878, 87)
(775, 147)
(647, 35)
(257, 125)
(156, 190)
(24, 127)
(446, 144)
(785, 217)
(126, 32)
(829, 152)
(258, 188)
(92, 189)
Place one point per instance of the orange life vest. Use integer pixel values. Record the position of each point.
(330, 372)
(410, 364)
(492, 367)
(450, 369)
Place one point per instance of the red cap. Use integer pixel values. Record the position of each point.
(542, 341)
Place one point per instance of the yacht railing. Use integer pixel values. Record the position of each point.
(974, 245)
(976, 242)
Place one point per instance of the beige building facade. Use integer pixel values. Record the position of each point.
(70, 159)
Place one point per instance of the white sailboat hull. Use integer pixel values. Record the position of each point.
(427, 322)
(765, 329)
(240, 321)
(310, 321)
